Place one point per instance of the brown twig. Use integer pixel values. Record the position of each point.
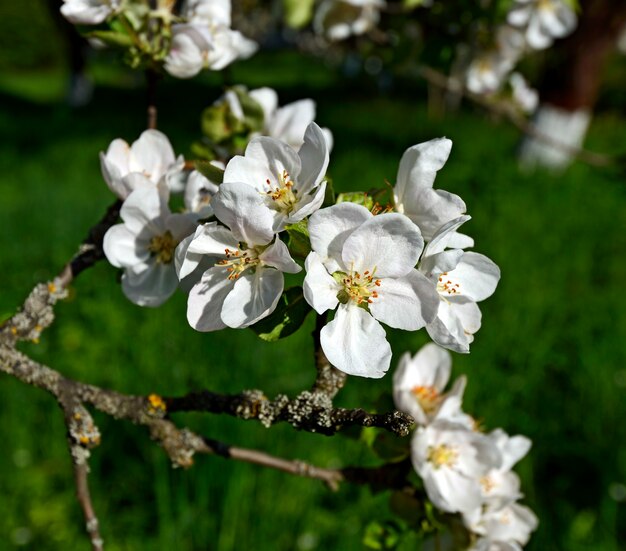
(329, 379)
(453, 85)
(152, 78)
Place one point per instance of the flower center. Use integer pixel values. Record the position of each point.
(163, 246)
(237, 261)
(442, 456)
(428, 397)
(546, 5)
(488, 484)
(445, 286)
(360, 288)
(282, 194)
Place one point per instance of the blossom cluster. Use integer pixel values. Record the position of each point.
(530, 25)
(405, 265)
(464, 470)
(185, 41)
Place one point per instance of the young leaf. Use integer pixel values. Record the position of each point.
(299, 242)
(209, 171)
(358, 197)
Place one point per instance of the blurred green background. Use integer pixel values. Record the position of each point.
(549, 361)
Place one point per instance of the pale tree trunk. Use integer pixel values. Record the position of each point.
(571, 84)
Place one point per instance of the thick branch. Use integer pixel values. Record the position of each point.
(309, 411)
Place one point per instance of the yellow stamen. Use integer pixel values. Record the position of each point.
(442, 456)
(163, 246)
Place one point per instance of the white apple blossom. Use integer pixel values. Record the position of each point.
(451, 460)
(197, 46)
(339, 19)
(487, 72)
(413, 193)
(363, 265)
(502, 485)
(542, 20)
(144, 244)
(246, 279)
(485, 544)
(88, 12)
(289, 122)
(523, 95)
(509, 524)
(418, 385)
(150, 156)
(290, 184)
(462, 279)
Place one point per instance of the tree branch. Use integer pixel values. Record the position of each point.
(329, 380)
(453, 85)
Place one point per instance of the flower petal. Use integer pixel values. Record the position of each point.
(243, 210)
(476, 275)
(391, 243)
(122, 248)
(355, 343)
(314, 157)
(151, 155)
(212, 239)
(289, 122)
(151, 286)
(277, 256)
(408, 303)
(275, 155)
(330, 227)
(253, 297)
(145, 210)
(206, 299)
(320, 288)
(267, 98)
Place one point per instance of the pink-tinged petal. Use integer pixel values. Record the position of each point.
(276, 155)
(253, 297)
(151, 286)
(243, 210)
(408, 303)
(290, 121)
(277, 256)
(267, 99)
(355, 343)
(476, 276)
(122, 248)
(330, 227)
(314, 157)
(390, 243)
(145, 210)
(320, 288)
(151, 155)
(419, 166)
(206, 299)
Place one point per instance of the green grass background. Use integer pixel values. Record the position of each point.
(549, 361)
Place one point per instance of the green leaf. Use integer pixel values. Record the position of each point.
(299, 243)
(386, 535)
(289, 315)
(253, 114)
(358, 197)
(298, 13)
(111, 38)
(214, 174)
(329, 196)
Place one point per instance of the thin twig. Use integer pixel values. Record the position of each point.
(329, 379)
(453, 85)
(152, 78)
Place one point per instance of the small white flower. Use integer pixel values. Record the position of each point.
(451, 460)
(511, 524)
(144, 244)
(523, 95)
(414, 195)
(150, 157)
(462, 279)
(339, 19)
(289, 122)
(544, 20)
(197, 46)
(363, 265)
(485, 544)
(488, 71)
(502, 485)
(288, 183)
(88, 12)
(246, 280)
(418, 385)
